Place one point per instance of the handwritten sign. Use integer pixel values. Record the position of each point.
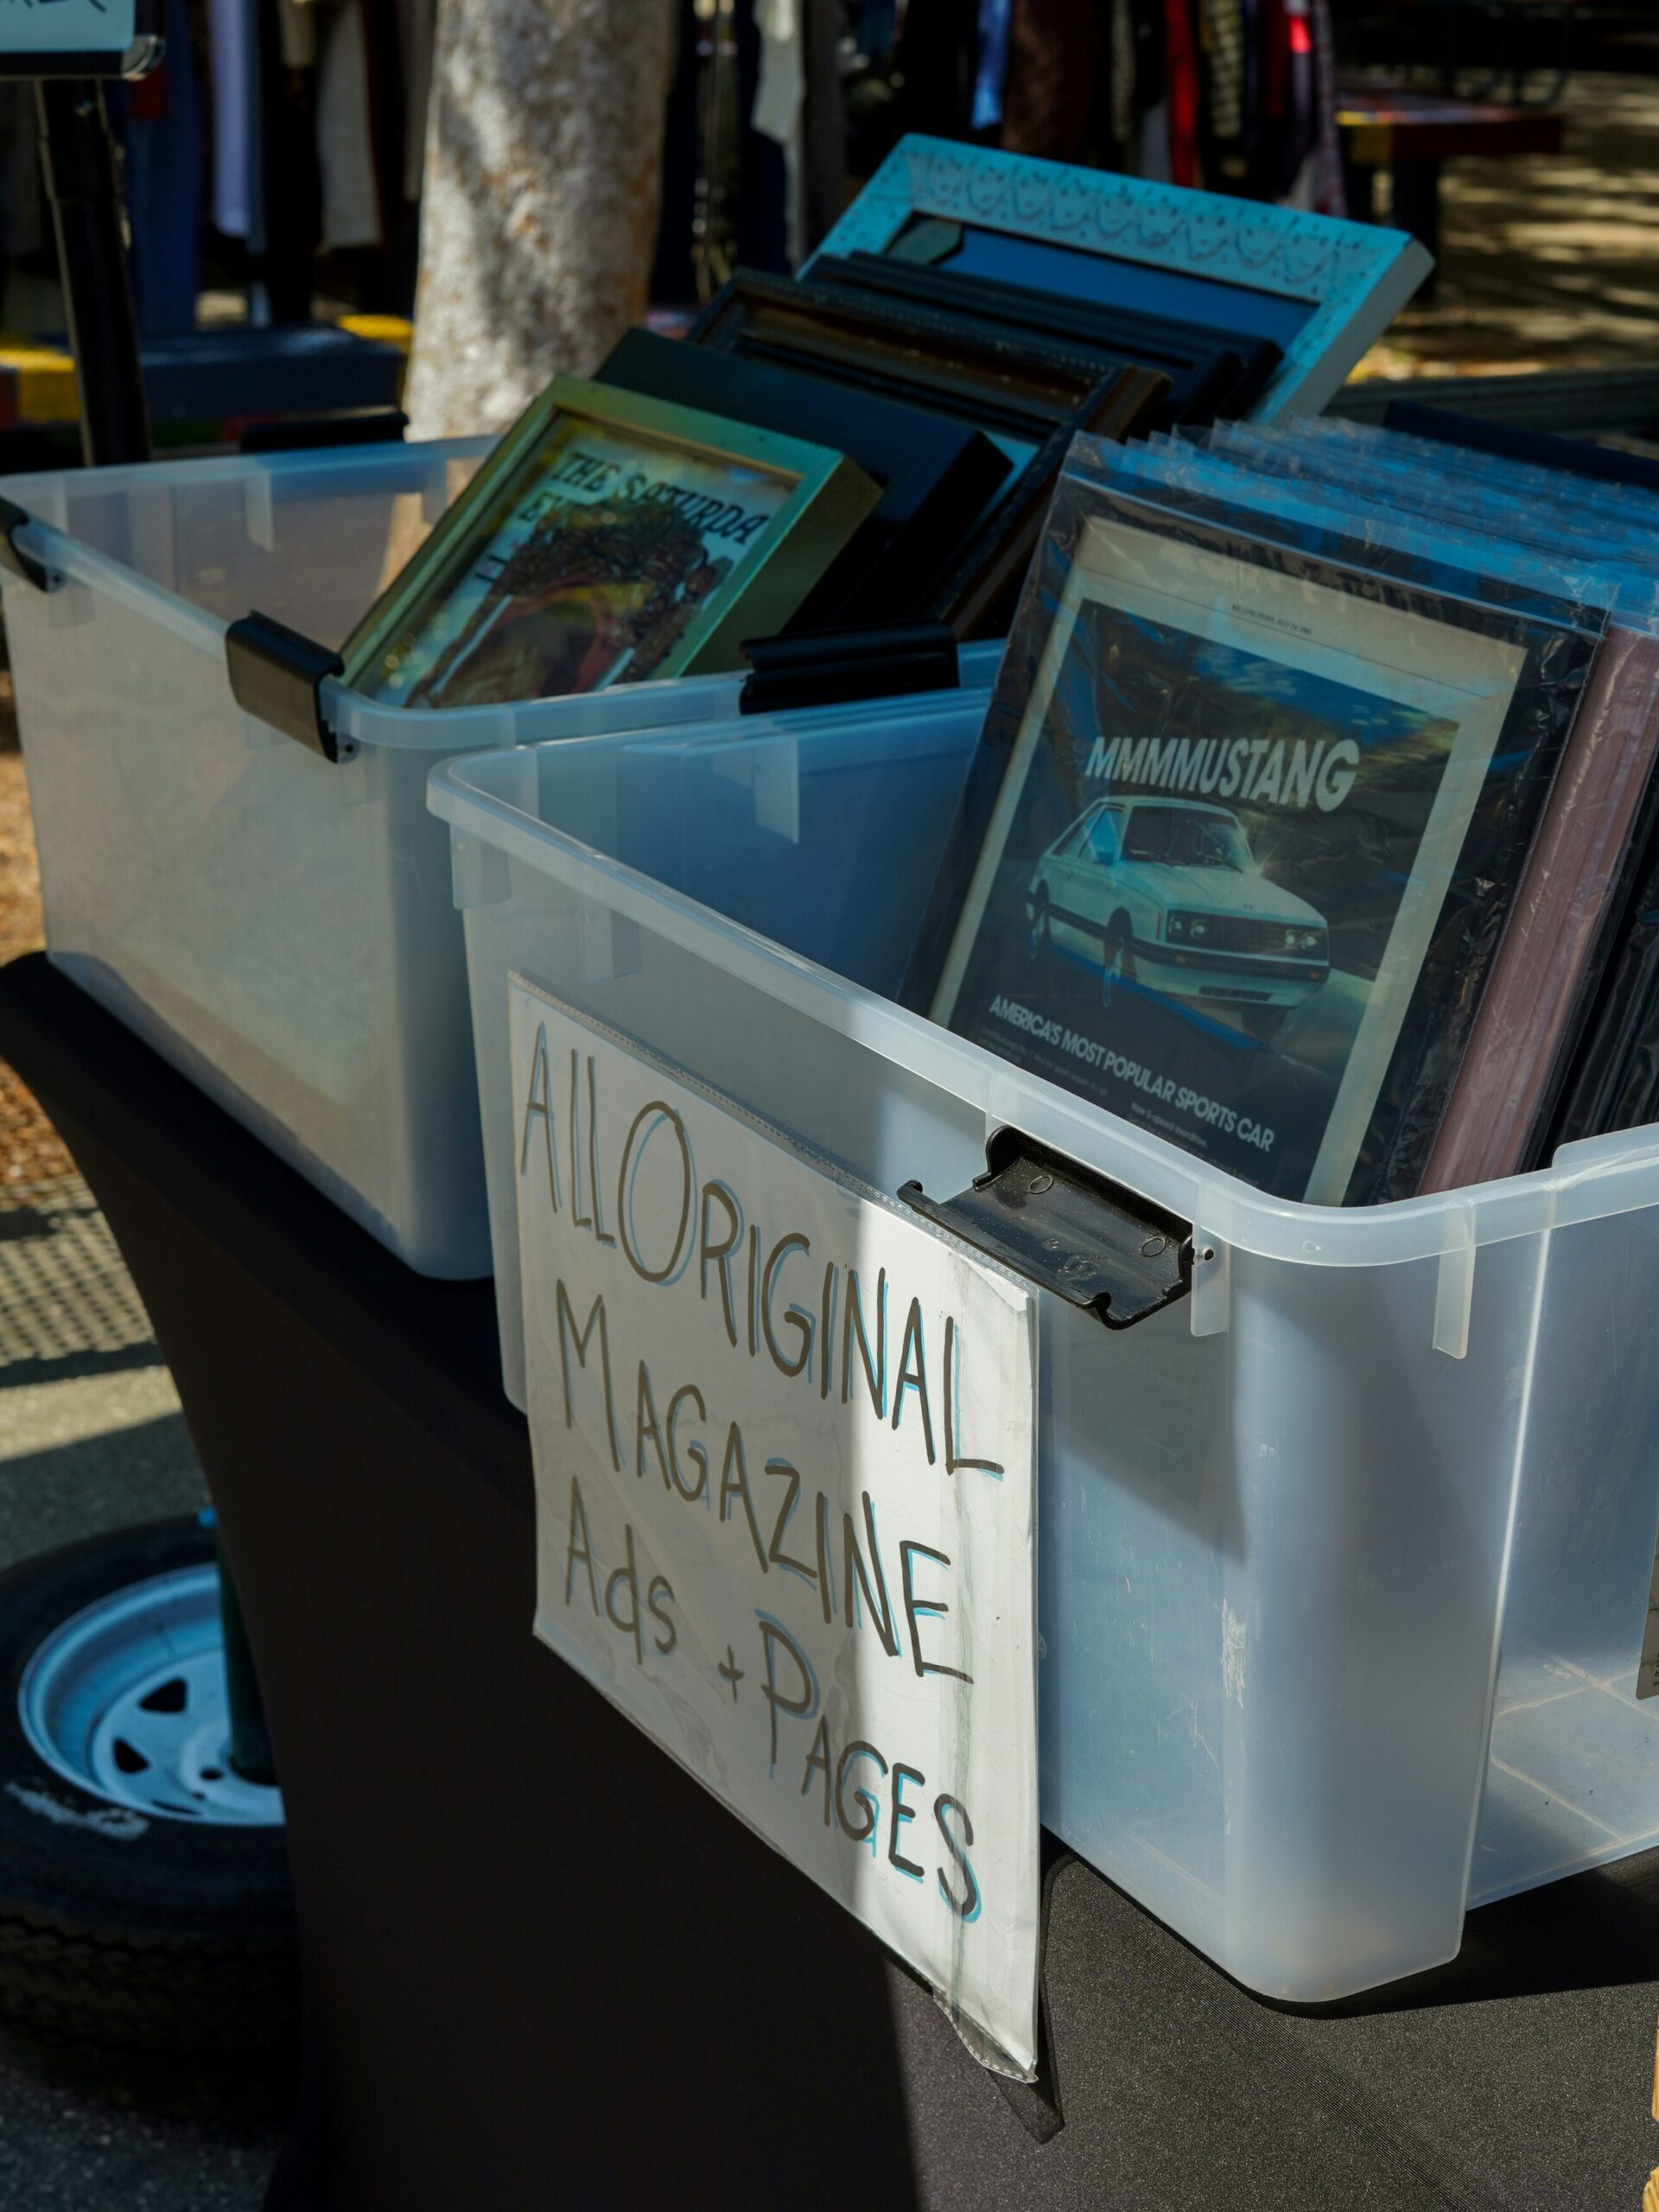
(92, 38)
(784, 1446)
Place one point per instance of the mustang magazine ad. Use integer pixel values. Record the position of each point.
(1253, 817)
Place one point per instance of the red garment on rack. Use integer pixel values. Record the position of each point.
(1275, 61)
(1181, 88)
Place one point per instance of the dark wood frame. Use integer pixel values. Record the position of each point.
(1352, 278)
(997, 377)
(1198, 358)
(939, 473)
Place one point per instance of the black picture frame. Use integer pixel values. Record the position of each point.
(1213, 369)
(937, 472)
(1324, 290)
(1031, 393)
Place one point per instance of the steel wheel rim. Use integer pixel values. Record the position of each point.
(126, 1701)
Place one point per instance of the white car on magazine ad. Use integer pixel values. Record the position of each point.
(1166, 893)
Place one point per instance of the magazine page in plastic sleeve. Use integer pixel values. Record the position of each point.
(1218, 859)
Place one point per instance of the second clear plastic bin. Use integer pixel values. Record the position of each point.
(1285, 1524)
(278, 924)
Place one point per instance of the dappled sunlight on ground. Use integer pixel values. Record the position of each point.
(1550, 262)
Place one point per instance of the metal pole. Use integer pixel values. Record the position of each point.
(83, 186)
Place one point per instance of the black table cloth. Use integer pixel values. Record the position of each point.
(542, 1967)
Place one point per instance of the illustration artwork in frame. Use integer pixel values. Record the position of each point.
(610, 537)
(1323, 290)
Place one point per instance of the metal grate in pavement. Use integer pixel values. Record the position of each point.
(68, 1304)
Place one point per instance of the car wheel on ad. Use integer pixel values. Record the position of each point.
(1038, 943)
(1118, 961)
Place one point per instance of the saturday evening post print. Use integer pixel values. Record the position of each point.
(600, 555)
(1216, 863)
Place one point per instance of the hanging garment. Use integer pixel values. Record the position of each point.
(22, 219)
(417, 22)
(345, 156)
(284, 251)
(296, 33)
(1331, 195)
(1052, 102)
(1250, 135)
(798, 105)
(824, 120)
(1299, 171)
(1120, 91)
(1181, 77)
(1151, 156)
(779, 100)
(233, 44)
(1289, 132)
(158, 122)
(1221, 55)
(876, 28)
(1223, 40)
(1146, 17)
(993, 65)
(938, 43)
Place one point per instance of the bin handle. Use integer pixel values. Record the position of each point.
(1102, 1248)
(14, 557)
(277, 674)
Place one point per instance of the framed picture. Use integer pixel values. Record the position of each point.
(937, 472)
(609, 537)
(1028, 394)
(1322, 290)
(1213, 373)
(1238, 851)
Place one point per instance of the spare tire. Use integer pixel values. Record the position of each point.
(146, 1946)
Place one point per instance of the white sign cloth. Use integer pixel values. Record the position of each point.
(784, 1444)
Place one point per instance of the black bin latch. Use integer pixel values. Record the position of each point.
(1068, 1230)
(828, 668)
(12, 556)
(276, 675)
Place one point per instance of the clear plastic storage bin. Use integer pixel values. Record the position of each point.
(279, 925)
(1287, 1522)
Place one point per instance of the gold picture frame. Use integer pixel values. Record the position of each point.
(608, 537)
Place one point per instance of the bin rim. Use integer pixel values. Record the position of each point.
(379, 458)
(1588, 1182)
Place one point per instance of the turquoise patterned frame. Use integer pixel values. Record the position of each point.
(1354, 276)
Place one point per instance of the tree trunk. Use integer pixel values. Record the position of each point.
(538, 217)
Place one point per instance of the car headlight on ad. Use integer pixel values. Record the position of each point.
(1175, 926)
(1304, 940)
